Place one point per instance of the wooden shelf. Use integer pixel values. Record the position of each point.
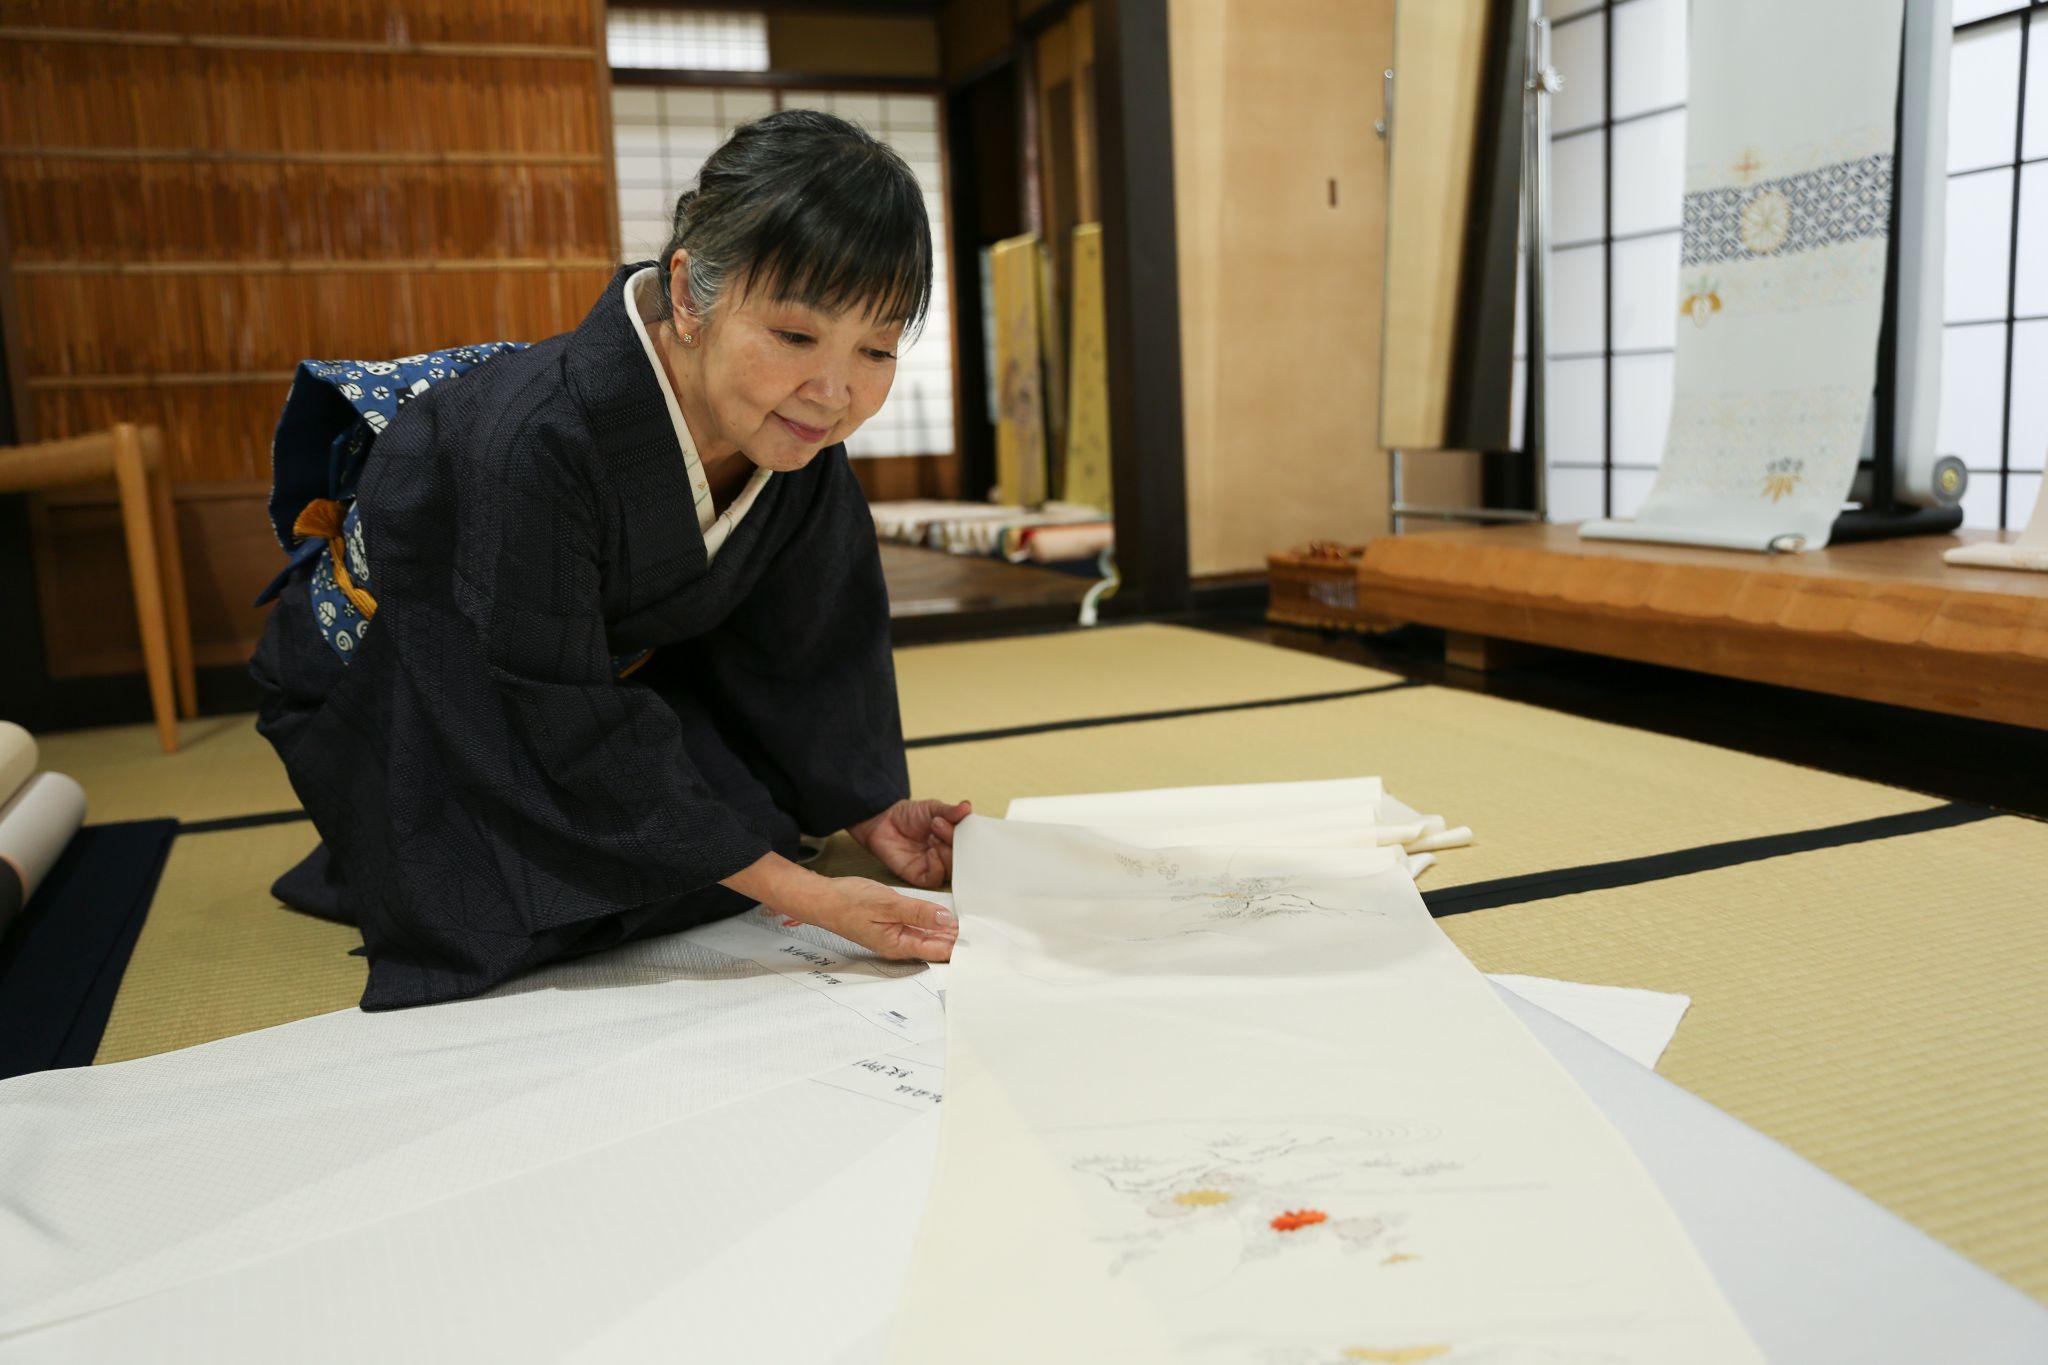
(1885, 621)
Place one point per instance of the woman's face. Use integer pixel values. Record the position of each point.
(783, 381)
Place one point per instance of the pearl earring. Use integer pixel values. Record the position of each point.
(689, 340)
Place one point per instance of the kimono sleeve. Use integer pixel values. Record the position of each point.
(515, 755)
(804, 666)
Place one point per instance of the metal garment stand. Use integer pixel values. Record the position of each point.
(1540, 81)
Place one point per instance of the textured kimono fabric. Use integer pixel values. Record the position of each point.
(489, 796)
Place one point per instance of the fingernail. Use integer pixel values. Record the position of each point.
(945, 916)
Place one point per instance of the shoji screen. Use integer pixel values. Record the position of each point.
(1618, 156)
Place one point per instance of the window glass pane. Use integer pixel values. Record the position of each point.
(1983, 96)
(1649, 55)
(2030, 396)
(1966, 10)
(1576, 166)
(1560, 10)
(1517, 392)
(1972, 393)
(2030, 295)
(743, 106)
(1980, 502)
(866, 110)
(1631, 486)
(1642, 407)
(1979, 242)
(638, 168)
(912, 111)
(1578, 301)
(1579, 52)
(1577, 415)
(1575, 494)
(1649, 173)
(632, 104)
(2036, 141)
(2022, 499)
(1646, 292)
(688, 40)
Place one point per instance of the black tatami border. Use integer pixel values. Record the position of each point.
(1570, 881)
(273, 817)
(1136, 717)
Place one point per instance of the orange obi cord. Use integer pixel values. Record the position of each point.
(323, 517)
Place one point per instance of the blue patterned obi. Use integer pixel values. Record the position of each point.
(331, 419)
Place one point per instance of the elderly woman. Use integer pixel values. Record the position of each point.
(579, 642)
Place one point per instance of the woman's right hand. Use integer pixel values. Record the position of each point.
(884, 921)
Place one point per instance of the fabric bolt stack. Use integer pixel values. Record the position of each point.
(1054, 533)
(39, 814)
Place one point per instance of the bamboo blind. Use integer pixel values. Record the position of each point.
(199, 194)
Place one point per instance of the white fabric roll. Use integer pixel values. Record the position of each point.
(17, 758)
(2030, 551)
(37, 824)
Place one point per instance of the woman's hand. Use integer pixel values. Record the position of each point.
(884, 921)
(880, 920)
(914, 839)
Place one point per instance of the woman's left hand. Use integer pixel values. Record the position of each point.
(914, 839)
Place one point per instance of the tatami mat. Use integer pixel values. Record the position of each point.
(1882, 1010)
(225, 769)
(218, 956)
(1540, 789)
(222, 768)
(984, 685)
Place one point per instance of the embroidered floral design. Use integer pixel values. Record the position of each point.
(1766, 221)
(1297, 1219)
(1701, 303)
(1781, 478)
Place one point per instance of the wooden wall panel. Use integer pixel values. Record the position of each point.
(1278, 187)
(547, 25)
(854, 44)
(1438, 102)
(198, 195)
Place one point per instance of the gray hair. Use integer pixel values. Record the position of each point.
(809, 208)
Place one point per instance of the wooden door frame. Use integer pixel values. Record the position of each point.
(1141, 295)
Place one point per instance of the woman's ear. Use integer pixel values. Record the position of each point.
(679, 285)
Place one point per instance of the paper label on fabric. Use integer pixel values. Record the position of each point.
(896, 1079)
(883, 992)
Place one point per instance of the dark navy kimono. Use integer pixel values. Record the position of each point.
(490, 795)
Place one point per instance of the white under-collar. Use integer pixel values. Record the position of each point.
(642, 298)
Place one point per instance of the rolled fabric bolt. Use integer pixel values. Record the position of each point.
(1442, 838)
(17, 758)
(34, 828)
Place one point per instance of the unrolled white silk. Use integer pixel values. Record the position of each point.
(1353, 812)
(17, 758)
(1226, 1105)
(1788, 189)
(36, 825)
(131, 1179)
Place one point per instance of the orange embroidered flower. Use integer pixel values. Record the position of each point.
(1297, 1219)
